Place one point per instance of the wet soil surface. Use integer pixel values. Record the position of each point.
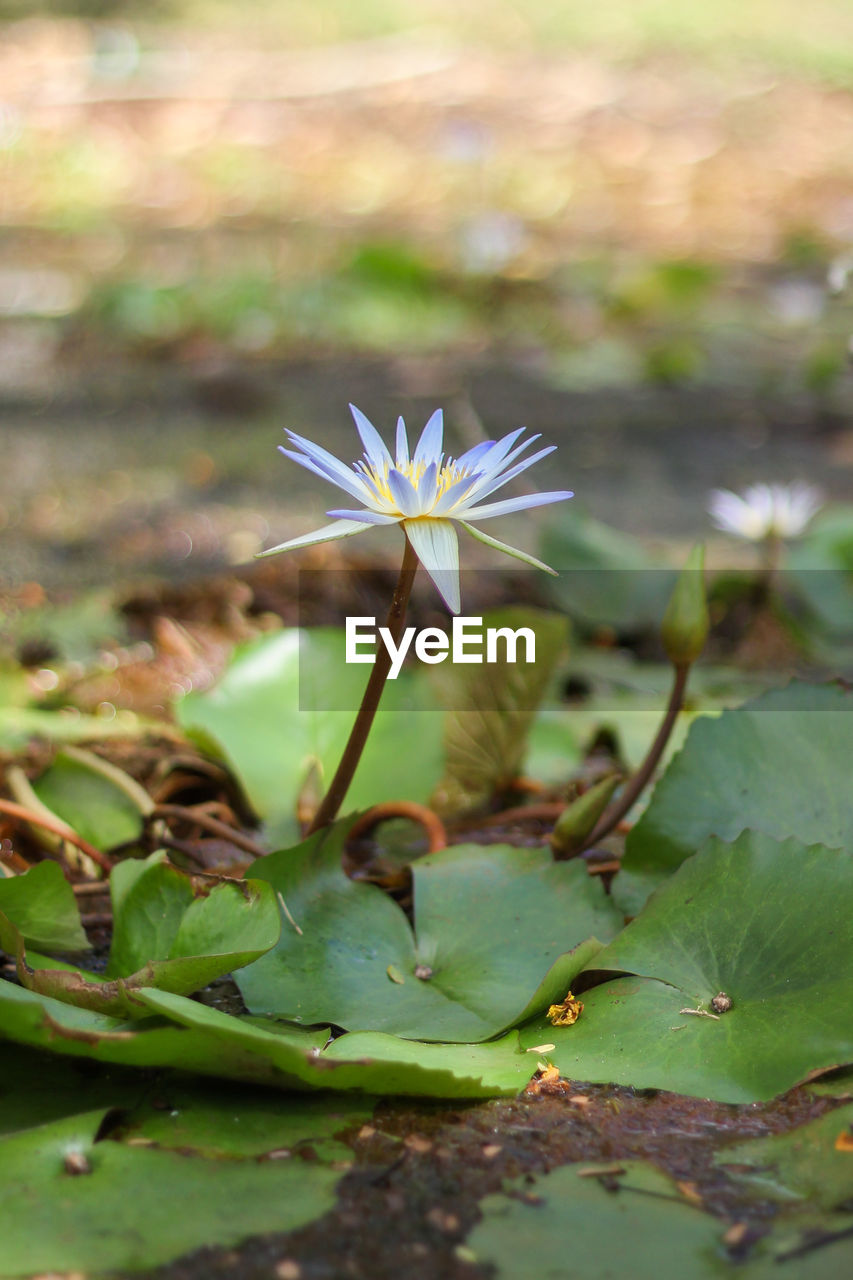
(421, 1169)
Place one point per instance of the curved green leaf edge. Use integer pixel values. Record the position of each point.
(499, 933)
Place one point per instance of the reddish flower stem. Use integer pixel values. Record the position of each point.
(334, 797)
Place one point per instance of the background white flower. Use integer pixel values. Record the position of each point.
(425, 492)
(765, 510)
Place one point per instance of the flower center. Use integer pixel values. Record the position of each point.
(377, 477)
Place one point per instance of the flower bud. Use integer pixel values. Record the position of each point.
(577, 821)
(685, 624)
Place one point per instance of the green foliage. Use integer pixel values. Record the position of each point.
(164, 937)
(336, 967)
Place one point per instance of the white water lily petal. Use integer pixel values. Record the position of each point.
(506, 548)
(454, 496)
(471, 460)
(323, 458)
(493, 458)
(509, 505)
(429, 446)
(428, 489)
(402, 444)
(404, 493)
(329, 533)
(374, 445)
(765, 511)
(366, 517)
(437, 548)
(350, 484)
(506, 476)
(493, 476)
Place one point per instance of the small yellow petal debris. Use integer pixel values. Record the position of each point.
(541, 1048)
(566, 1012)
(690, 1192)
(601, 1171)
(736, 1235)
(415, 1142)
(844, 1141)
(395, 975)
(547, 1079)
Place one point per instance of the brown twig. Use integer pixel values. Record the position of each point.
(603, 868)
(19, 811)
(211, 824)
(530, 786)
(431, 823)
(185, 847)
(547, 811)
(91, 889)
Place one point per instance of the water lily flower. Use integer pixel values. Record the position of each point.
(765, 511)
(425, 491)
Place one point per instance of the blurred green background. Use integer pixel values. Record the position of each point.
(628, 226)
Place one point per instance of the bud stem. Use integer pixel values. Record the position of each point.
(639, 781)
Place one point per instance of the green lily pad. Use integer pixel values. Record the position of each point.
(212, 1119)
(265, 721)
(165, 937)
(191, 1037)
(779, 764)
(83, 1204)
(571, 1227)
(388, 1064)
(372, 1061)
(809, 1171)
(769, 924)
(820, 569)
(42, 907)
(36, 1087)
(201, 1117)
(811, 1165)
(499, 933)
